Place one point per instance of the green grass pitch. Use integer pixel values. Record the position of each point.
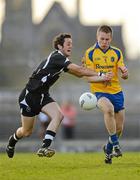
(69, 166)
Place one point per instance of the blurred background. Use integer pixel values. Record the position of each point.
(27, 28)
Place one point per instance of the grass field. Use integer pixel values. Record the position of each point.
(69, 166)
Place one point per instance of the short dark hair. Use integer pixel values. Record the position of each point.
(59, 39)
(106, 29)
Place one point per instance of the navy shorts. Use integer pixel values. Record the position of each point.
(32, 103)
(116, 99)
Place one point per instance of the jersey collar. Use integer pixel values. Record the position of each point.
(104, 51)
(60, 52)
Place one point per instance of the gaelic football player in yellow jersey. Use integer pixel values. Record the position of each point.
(103, 58)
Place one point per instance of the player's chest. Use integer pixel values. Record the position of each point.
(105, 59)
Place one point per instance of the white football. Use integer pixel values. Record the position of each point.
(88, 101)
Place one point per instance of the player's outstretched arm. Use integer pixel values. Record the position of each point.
(80, 71)
(100, 78)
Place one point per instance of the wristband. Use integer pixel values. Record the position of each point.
(101, 74)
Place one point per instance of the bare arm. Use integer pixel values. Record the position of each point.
(80, 71)
(103, 77)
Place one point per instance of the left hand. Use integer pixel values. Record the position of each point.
(108, 76)
(124, 72)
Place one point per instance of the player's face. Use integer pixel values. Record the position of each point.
(104, 40)
(67, 47)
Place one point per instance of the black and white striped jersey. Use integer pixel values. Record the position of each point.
(48, 72)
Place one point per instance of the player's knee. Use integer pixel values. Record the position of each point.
(110, 110)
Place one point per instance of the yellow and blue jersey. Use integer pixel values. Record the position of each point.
(104, 61)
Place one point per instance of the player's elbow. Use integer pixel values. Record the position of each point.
(82, 71)
(78, 72)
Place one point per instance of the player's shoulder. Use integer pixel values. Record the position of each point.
(57, 54)
(117, 51)
(89, 52)
(91, 48)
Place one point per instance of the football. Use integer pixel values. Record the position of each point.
(88, 101)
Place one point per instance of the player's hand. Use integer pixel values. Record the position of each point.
(108, 76)
(124, 72)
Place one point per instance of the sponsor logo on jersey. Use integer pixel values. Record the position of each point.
(98, 66)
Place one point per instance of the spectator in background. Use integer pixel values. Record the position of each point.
(44, 122)
(68, 124)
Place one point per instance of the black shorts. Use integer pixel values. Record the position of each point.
(32, 103)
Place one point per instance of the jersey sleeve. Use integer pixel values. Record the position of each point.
(87, 60)
(121, 60)
(66, 65)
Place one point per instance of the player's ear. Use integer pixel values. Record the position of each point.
(96, 37)
(110, 39)
(59, 47)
